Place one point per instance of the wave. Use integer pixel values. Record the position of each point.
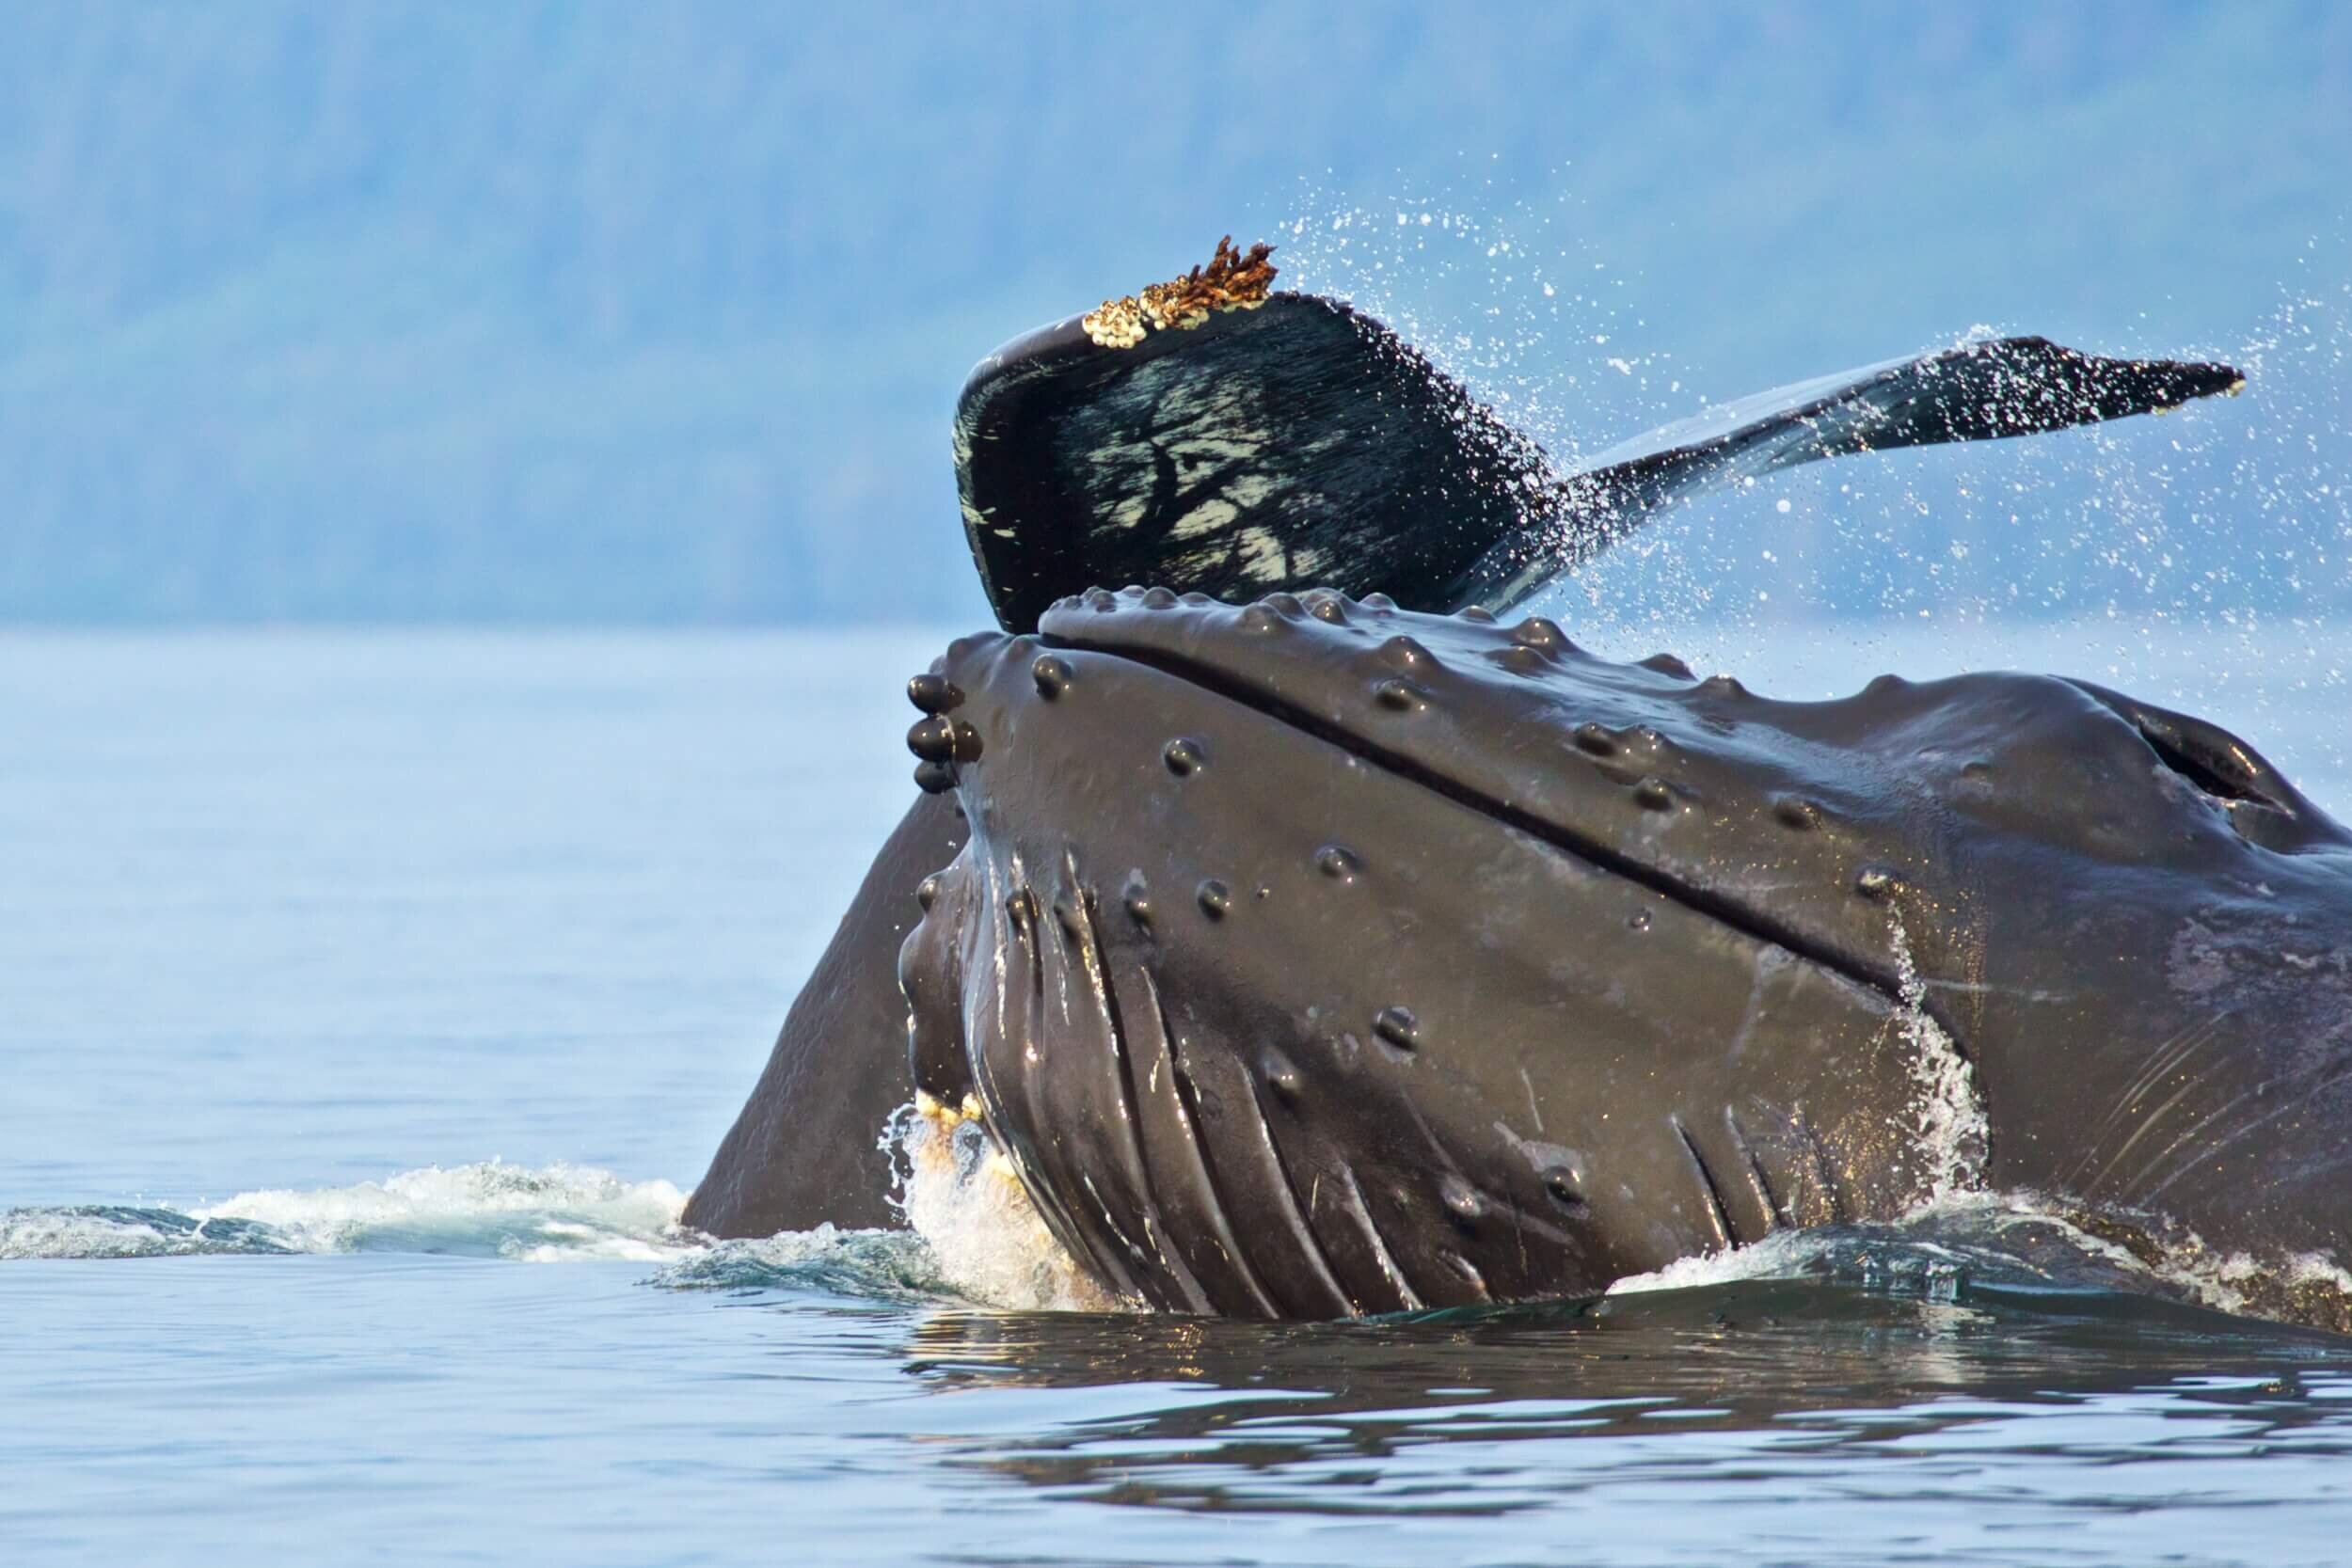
(545, 1213)
(975, 1240)
(892, 1266)
(2019, 1243)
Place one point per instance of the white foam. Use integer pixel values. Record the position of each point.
(550, 1214)
(2241, 1281)
(2019, 1234)
(36, 1233)
(1924, 1246)
(1782, 1255)
(958, 1192)
(1951, 1127)
(975, 1234)
(534, 1213)
(2234, 1281)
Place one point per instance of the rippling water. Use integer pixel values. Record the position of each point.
(371, 1000)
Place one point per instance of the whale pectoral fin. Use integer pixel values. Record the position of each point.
(1977, 392)
(1212, 436)
(1280, 444)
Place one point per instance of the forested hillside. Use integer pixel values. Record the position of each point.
(656, 313)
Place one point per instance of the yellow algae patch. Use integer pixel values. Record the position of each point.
(1233, 280)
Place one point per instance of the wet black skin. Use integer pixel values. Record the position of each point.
(1315, 956)
(805, 1150)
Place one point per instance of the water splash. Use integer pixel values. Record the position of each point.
(959, 1193)
(2228, 524)
(550, 1214)
(1952, 1134)
(976, 1237)
(2304, 1287)
(893, 1266)
(1941, 1248)
(127, 1231)
(1512, 297)
(979, 1242)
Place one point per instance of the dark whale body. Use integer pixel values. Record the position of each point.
(1323, 955)
(1315, 956)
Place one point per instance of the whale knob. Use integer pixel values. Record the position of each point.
(934, 693)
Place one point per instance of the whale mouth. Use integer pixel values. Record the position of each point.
(1165, 1156)
(1152, 1111)
(1273, 1019)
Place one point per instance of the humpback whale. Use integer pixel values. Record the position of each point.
(1314, 943)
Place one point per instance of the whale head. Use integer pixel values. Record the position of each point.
(1312, 957)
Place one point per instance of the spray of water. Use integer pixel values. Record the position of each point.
(2226, 528)
(959, 1193)
(1948, 1131)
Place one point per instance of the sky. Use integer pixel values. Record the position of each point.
(654, 314)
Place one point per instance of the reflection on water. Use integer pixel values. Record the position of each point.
(1496, 1412)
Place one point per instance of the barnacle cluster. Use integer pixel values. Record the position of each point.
(1115, 322)
(1233, 280)
(946, 1118)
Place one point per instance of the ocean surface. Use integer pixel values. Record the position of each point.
(369, 1001)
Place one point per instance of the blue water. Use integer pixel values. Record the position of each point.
(368, 1002)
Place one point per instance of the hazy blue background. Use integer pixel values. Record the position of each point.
(655, 314)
